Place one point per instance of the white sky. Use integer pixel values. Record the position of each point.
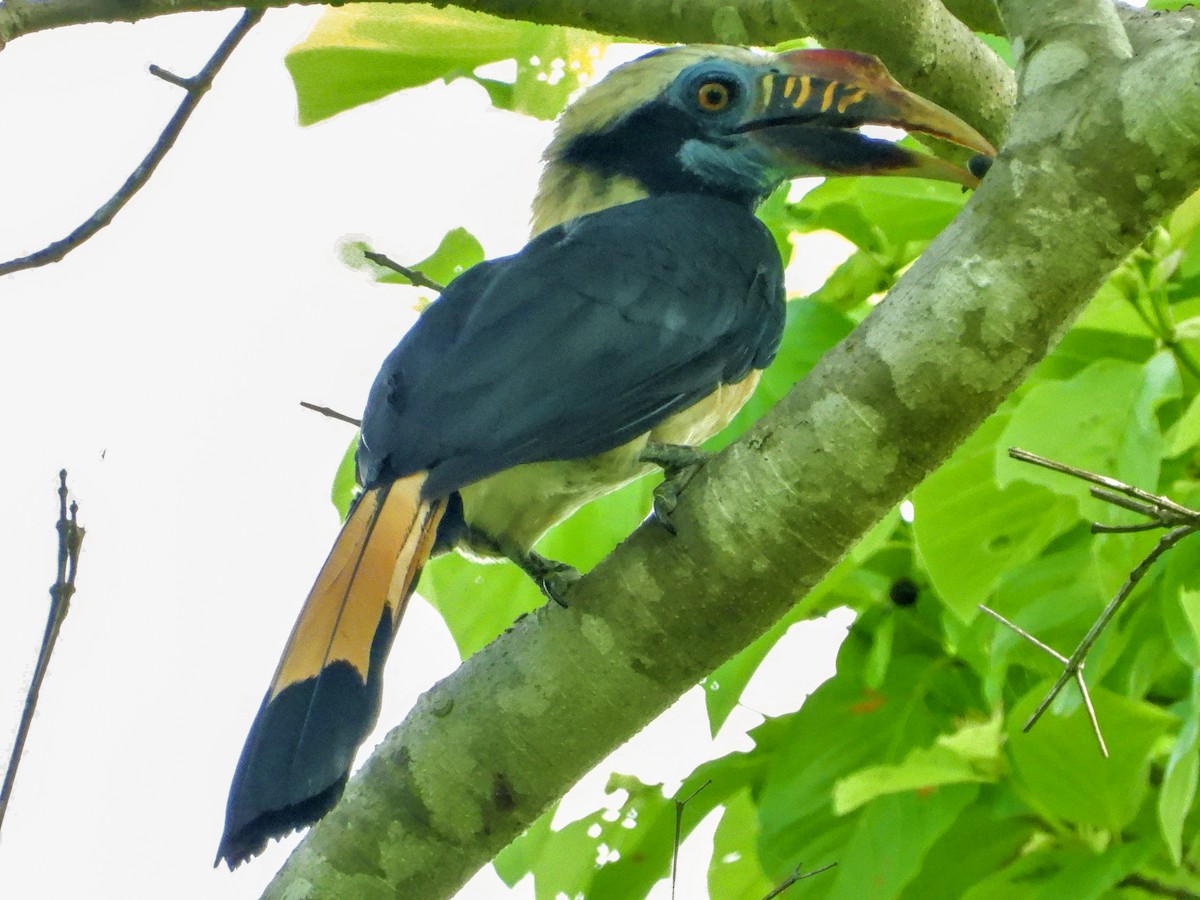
(162, 365)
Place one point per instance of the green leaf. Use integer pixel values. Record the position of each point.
(844, 727)
(977, 742)
(517, 860)
(923, 770)
(1185, 435)
(345, 481)
(1112, 310)
(888, 216)
(987, 834)
(1181, 600)
(457, 251)
(848, 579)
(1060, 770)
(564, 56)
(1179, 781)
(1055, 596)
(1000, 45)
(621, 853)
(881, 653)
(1101, 420)
(1081, 347)
(891, 839)
(969, 755)
(1057, 872)
(735, 872)
(1184, 223)
(364, 51)
(971, 533)
(479, 601)
(855, 281)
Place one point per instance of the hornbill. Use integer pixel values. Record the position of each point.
(632, 326)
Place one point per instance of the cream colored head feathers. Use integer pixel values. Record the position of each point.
(565, 191)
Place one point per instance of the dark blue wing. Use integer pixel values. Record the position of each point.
(592, 334)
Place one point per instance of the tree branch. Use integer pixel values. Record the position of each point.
(1092, 25)
(70, 542)
(196, 87)
(925, 46)
(928, 49)
(1085, 175)
(763, 21)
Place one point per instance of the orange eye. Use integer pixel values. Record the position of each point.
(713, 96)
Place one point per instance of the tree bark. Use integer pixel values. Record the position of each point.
(766, 21)
(1102, 144)
(929, 50)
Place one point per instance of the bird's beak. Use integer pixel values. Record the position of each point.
(811, 101)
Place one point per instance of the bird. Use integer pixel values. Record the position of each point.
(632, 327)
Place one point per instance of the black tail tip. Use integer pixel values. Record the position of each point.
(242, 843)
(240, 848)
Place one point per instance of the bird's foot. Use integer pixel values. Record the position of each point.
(679, 463)
(555, 579)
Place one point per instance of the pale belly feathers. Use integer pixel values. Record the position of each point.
(517, 506)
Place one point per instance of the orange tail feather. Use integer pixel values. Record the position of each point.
(324, 698)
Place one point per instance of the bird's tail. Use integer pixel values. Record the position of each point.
(324, 698)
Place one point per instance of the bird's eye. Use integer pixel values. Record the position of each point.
(714, 96)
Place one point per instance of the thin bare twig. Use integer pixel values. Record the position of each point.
(1046, 648)
(679, 805)
(1120, 487)
(332, 413)
(1091, 712)
(416, 276)
(196, 87)
(794, 877)
(70, 540)
(1075, 663)
(1014, 627)
(1162, 512)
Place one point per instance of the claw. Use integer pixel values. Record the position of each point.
(555, 579)
(556, 584)
(679, 463)
(672, 457)
(666, 495)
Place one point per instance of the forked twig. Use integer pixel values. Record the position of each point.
(70, 540)
(1046, 648)
(196, 87)
(1162, 512)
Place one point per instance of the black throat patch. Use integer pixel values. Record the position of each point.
(644, 146)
